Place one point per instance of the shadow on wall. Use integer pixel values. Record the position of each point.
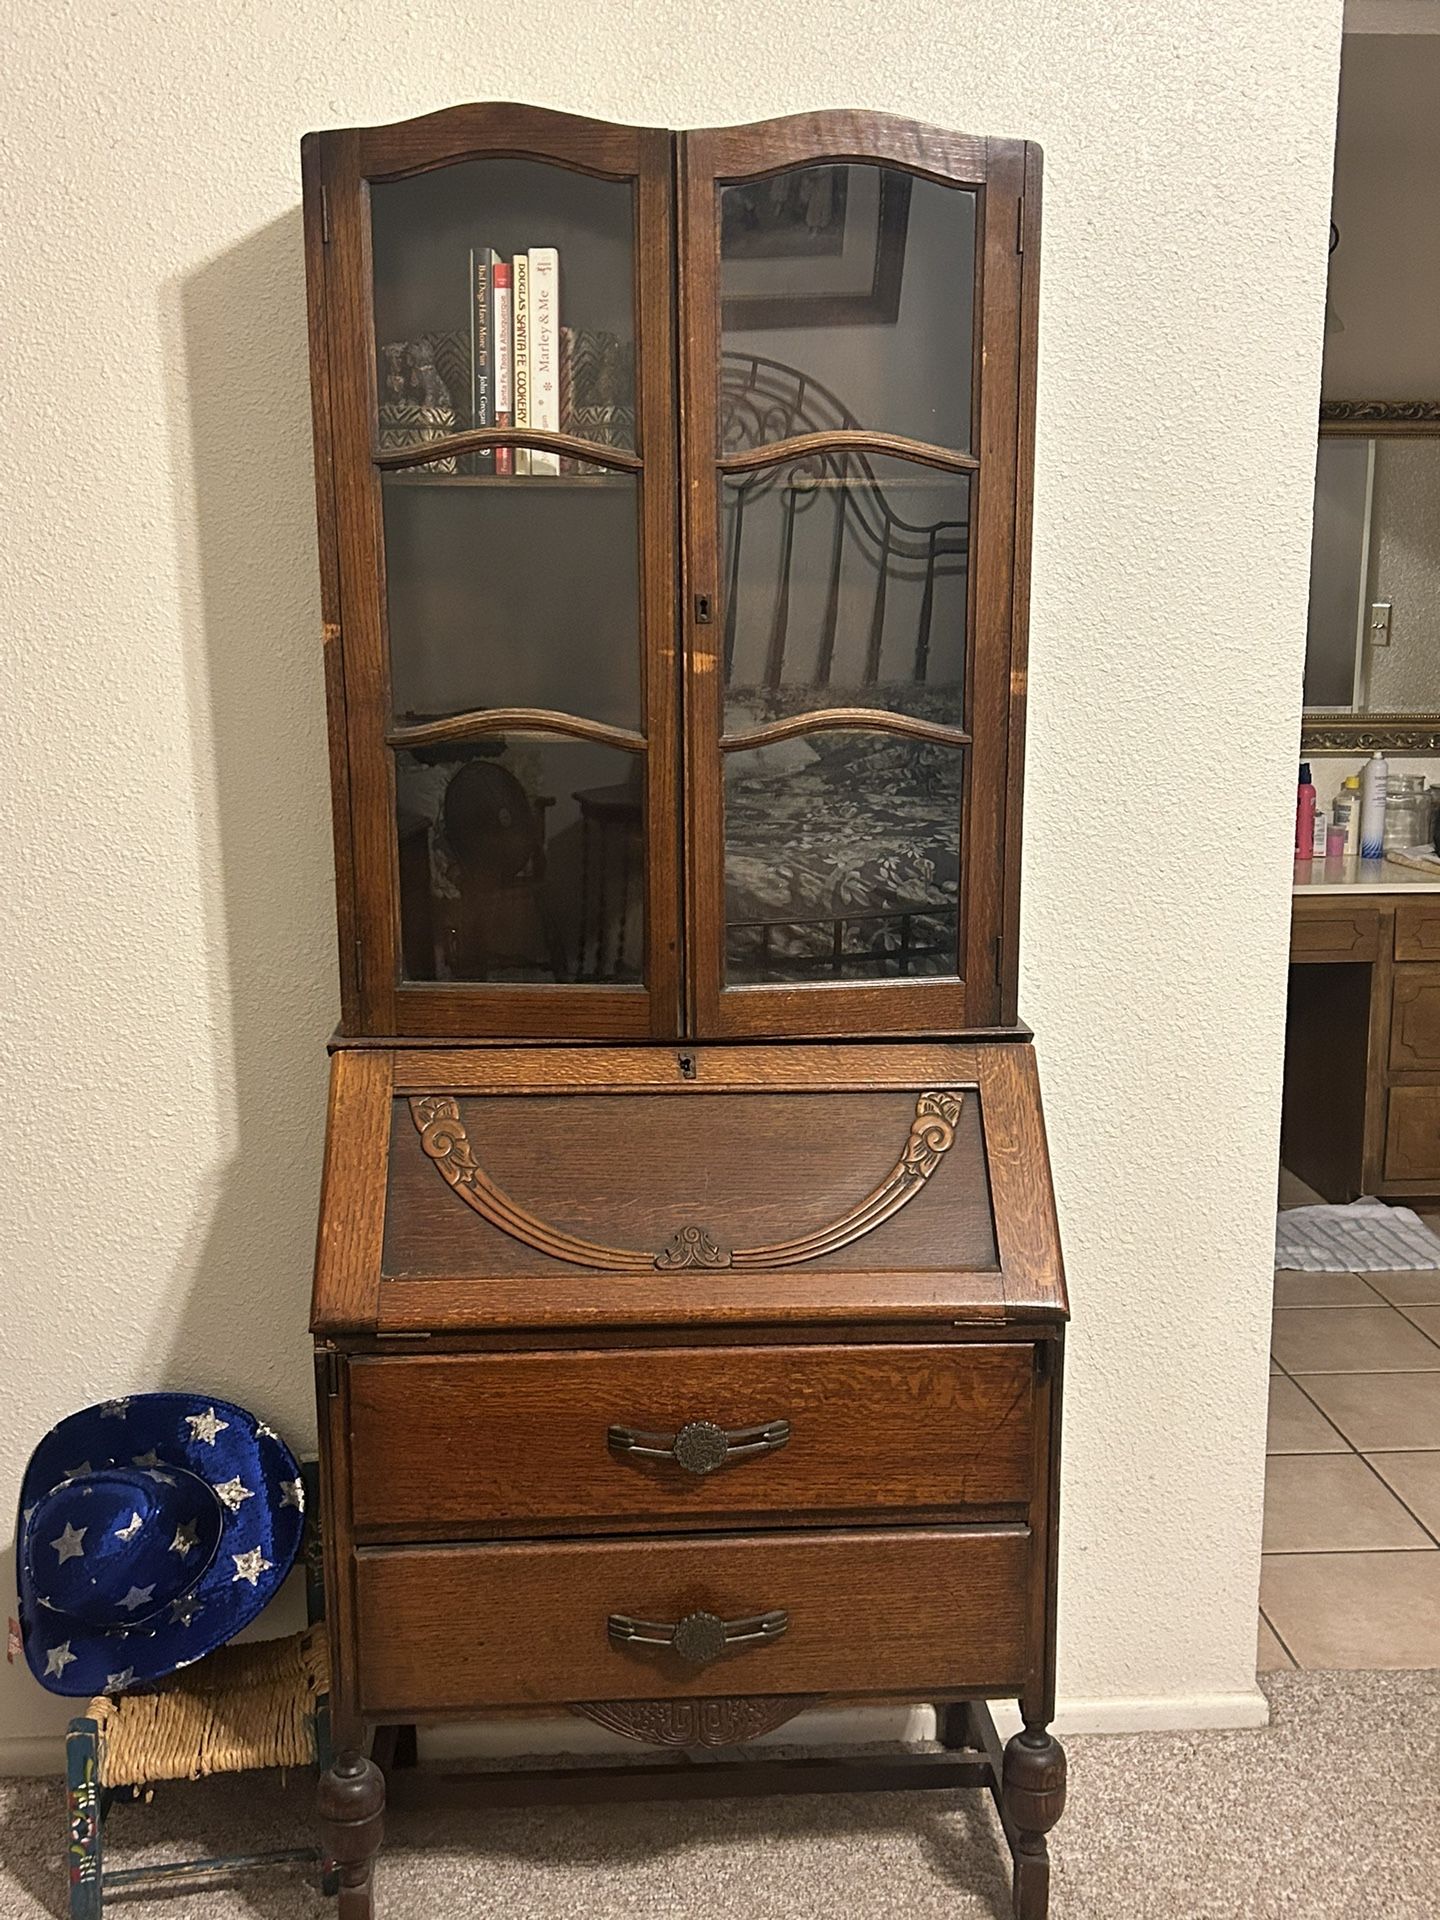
(244, 1128)
(239, 405)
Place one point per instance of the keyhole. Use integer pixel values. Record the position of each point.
(687, 1065)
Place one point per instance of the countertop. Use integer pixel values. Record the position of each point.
(1360, 876)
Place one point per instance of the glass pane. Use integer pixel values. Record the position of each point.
(504, 296)
(846, 586)
(512, 593)
(521, 859)
(848, 301)
(842, 858)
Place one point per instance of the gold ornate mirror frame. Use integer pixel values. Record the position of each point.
(1322, 732)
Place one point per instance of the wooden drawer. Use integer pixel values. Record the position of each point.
(1412, 1134)
(520, 1441)
(906, 1611)
(1415, 1019)
(1417, 930)
(1333, 932)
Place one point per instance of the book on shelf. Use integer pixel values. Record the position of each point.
(544, 346)
(482, 389)
(520, 369)
(502, 348)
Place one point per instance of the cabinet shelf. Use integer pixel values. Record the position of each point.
(541, 482)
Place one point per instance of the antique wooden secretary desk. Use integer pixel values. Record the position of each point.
(688, 1305)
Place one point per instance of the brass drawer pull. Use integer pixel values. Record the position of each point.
(700, 1446)
(700, 1637)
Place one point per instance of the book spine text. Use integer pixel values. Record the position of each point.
(520, 372)
(544, 334)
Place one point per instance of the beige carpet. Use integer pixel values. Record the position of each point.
(1333, 1811)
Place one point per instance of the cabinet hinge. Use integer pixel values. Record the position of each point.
(330, 1372)
(998, 948)
(1044, 1360)
(324, 216)
(1020, 224)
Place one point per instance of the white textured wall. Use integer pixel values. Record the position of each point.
(168, 981)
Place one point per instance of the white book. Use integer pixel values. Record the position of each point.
(520, 367)
(544, 330)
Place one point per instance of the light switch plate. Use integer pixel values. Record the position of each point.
(1380, 623)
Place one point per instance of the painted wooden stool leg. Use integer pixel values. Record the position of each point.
(1034, 1798)
(351, 1802)
(83, 1858)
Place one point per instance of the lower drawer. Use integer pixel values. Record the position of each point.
(905, 1611)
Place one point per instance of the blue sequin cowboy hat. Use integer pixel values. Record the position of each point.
(151, 1530)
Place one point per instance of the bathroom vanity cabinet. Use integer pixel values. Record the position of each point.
(1362, 1052)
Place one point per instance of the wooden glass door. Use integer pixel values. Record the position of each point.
(497, 285)
(853, 372)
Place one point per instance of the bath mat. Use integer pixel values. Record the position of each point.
(1365, 1237)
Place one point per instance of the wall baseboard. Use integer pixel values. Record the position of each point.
(32, 1756)
(1164, 1713)
(42, 1756)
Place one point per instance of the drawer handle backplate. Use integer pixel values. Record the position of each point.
(698, 1638)
(700, 1446)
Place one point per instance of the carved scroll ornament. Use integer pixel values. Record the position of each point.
(695, 1723)
(444, 1139)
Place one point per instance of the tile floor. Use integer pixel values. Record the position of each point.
(1351, 1571)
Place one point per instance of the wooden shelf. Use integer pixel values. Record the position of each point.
(542, 482)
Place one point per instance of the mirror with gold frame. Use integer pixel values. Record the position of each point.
(1372, 656)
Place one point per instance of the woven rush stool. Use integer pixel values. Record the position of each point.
(259, 1705)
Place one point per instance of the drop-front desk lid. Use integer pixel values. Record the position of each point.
(510, 1187)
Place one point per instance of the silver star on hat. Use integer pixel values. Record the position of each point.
(69, 1546)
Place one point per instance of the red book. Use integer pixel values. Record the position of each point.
(502, 339)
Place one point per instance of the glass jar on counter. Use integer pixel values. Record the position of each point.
(1409, 811)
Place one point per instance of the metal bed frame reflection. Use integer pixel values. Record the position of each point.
(764, 401)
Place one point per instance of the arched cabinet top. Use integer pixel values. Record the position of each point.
(685, 700)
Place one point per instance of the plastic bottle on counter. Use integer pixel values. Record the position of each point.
(1374, 785)
(1346, 815)
(1334, 842)
(1322, 823)
(1305, 816)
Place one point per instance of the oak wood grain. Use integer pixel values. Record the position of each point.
(831, 719)
(452, 446)
(352, 1194)
(628, 1172)
(874, 1430)
(685, 1070)
(871, 1611)
(456, 727)
(799, 446)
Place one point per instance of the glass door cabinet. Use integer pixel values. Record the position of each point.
(673, 706)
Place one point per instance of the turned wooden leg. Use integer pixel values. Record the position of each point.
(1033, 1794)
(351, 1801)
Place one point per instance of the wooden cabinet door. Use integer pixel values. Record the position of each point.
(504, 700)
(1415, 1018)
(857, 301)
(1412, 1134)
